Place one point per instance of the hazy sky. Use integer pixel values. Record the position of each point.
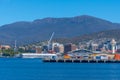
(29, 10)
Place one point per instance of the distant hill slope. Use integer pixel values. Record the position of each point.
(41, 29)
(109, 34)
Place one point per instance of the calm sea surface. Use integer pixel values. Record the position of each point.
(35, 69)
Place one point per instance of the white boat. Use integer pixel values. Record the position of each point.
(38, 55)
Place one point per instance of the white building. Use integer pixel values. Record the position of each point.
(113, 44)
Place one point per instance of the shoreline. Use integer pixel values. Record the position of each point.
(79, 61)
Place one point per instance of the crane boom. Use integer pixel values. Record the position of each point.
(50, 40)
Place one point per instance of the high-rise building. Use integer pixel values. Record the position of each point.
(67, 47)
(113, 44)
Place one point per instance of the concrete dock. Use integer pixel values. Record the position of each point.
(80, 61)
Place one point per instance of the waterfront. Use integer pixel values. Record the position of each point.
(35, 69)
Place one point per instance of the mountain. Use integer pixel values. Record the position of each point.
(41, 29)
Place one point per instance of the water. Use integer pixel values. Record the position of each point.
(35, 69)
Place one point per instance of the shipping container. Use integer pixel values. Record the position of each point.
(97, 57)
(100, 57)
(117, 57)
(67, 57)
(104, 57)
(85, 57)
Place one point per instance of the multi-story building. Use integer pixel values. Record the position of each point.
(56, 49)
(73, 47)
(94, 46)
(61, 48)
(38, 49)
(69, 47)
(5, 47)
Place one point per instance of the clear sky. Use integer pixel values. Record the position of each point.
(29, 10)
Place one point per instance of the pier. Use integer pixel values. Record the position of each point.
(79, 61)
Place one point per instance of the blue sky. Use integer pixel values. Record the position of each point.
(29, 10)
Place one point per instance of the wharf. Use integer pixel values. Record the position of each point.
(80, 61)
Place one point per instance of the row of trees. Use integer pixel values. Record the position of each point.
(8, 52)
(11, 52)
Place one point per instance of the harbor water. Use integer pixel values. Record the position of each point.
(35, 69)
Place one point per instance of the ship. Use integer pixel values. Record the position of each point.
(38, 55)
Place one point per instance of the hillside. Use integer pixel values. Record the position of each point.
(41, 29)
(109, 34)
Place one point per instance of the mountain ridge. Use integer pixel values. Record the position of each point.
(41, 29)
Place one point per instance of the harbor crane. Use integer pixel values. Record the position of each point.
(50, 40)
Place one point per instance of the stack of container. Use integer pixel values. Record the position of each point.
(102, 56)
(117, 56)
(66, 56)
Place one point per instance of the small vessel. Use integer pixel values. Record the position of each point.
(38, 55)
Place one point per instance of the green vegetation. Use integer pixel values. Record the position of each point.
(8, 52)
(21, 50)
